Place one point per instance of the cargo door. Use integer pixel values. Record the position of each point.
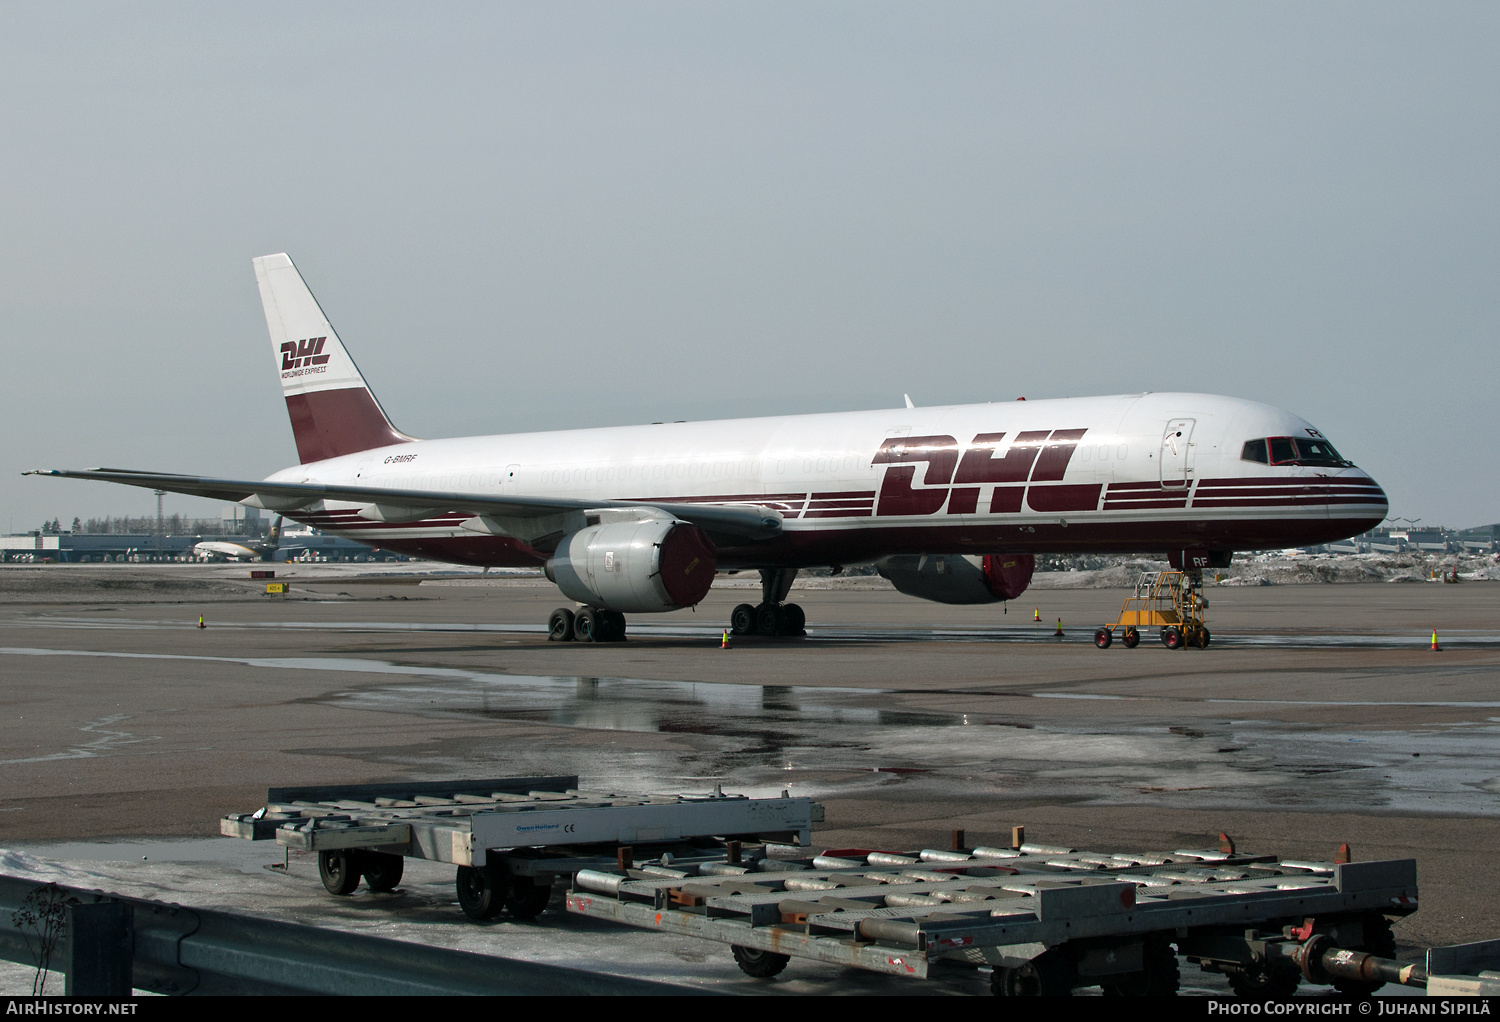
(1176, 451)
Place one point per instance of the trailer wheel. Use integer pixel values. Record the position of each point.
(1132, 638)
(1203, 638)
(757, 963)
(1257, 983)
(382, 870)
(1049, 974)
(526, 899)
(481, 891)
(340, 870)
(1160, 977)
(1103, 637)
(1171, 637)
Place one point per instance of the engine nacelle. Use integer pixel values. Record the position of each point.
(955, 578)
(635, 566)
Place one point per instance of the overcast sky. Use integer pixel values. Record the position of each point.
(547, 215)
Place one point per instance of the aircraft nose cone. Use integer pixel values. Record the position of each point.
(1362, 489)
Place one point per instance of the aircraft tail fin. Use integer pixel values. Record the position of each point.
(333, 410)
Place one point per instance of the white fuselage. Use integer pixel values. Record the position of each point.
(1128, 473)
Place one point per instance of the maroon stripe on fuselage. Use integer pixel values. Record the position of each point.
(1148, 485)
(1312, 501)
(1290, 481)
(845, 545)
(1131, 505)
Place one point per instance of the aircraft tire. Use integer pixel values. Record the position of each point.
(742, 620)
(793, 619)
(586, 625)
(560, 625)
(768, 619)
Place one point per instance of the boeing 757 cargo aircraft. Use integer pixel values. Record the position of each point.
(951, 503)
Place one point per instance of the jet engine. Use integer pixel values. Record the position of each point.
(953, 578)
(647, 566)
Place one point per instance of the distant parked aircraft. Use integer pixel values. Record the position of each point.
(246, 550)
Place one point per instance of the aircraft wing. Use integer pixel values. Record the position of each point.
(738, 521)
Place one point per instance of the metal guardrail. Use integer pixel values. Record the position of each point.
(105, 944)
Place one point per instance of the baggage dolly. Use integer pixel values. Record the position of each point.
(1044, 919)
(511, 837)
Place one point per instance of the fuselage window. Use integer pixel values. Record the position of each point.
(1255, 450)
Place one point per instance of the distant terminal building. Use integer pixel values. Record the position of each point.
(1483, 540)
(1427, 541)
(76, 548)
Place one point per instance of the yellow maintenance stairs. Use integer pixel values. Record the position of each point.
(1170, 600)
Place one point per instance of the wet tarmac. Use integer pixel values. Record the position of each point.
(830, 741)
(1318, 715)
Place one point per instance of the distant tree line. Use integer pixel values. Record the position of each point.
(173, 525)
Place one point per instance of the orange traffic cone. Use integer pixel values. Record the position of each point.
(1435, 647)
(1059, 633)
(201, 625)
(725, 643)
(1036, 614)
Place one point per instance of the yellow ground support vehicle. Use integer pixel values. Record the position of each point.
(1170, 600)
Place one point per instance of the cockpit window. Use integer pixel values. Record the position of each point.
(1317, 452)
(1287, 450)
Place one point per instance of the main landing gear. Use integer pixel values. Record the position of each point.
(586, 625)
(772, 616)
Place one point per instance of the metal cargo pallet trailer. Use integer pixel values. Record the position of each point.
(1044, 919)
(511, 837)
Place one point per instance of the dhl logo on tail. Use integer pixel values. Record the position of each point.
(302, 354)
